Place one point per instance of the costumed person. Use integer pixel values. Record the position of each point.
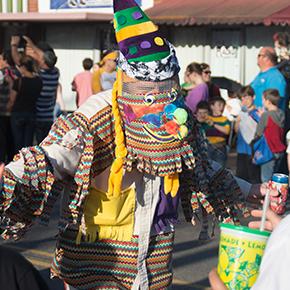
(103, 78)
(121, 164)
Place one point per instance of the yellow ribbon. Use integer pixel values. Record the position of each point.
(171, 184)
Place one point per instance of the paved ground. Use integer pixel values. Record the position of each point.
(192, 259)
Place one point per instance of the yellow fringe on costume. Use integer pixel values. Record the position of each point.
(108, 217)
(171, 184)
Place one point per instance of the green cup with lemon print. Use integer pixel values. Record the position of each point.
(240, 254)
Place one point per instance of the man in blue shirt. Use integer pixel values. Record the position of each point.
(269, 77)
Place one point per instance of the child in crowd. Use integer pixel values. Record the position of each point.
(202, 113)
(271, 126)
(218, 131)
(245, 127)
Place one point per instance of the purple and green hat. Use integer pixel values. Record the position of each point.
(140, 41)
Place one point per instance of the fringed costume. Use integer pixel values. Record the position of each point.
(120, 164)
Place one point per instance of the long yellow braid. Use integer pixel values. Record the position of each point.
(116, 173)
(171, 182)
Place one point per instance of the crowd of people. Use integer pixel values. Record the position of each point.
(29, 86)
(256, 115)
(86, 150)
(31, 94)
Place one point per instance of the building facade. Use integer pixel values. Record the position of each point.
(77, 32)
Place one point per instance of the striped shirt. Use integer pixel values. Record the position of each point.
(215, 136)
(46, 100)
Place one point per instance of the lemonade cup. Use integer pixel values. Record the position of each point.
(240, 254)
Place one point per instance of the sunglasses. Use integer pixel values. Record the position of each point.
(208, 72)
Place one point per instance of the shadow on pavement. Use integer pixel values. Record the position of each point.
(53, 284)
(194, 257)
(26, 244)
(178, 247)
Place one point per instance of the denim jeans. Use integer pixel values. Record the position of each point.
(22, 125)
(267, 169)
(218, 153)
(247, 170)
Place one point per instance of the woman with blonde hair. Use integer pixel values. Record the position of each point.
(105, 76)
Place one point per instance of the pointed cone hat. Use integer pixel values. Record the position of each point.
(140, 41)
(138, 37)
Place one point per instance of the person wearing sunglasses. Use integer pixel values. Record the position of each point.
(199, 89)
(269, 77)
(213, 90)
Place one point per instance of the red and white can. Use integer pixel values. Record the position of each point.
(280, 184)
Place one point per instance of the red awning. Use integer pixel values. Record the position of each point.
(281, 17)
(198, 12)
(183, 12)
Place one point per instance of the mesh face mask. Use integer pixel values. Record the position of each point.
(150, 117)
(155, 125)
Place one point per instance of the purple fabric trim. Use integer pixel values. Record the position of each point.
(137, 40)
(197, 94)
(166, 211)
(137, 15)
(123, 4)
(213, 132)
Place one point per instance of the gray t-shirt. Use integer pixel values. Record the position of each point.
(107, 80)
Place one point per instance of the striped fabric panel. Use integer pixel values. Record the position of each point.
(102, 128)
(46, 101)
(109, 264)
(154, 157)
(31, 197)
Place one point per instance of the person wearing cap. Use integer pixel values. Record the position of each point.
(122, 163)
(105, 76)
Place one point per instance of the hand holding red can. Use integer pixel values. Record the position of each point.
(279, 184)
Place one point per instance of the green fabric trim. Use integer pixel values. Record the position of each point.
(223, 124)
(150, 57)
(127, 13)
(245, 230)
